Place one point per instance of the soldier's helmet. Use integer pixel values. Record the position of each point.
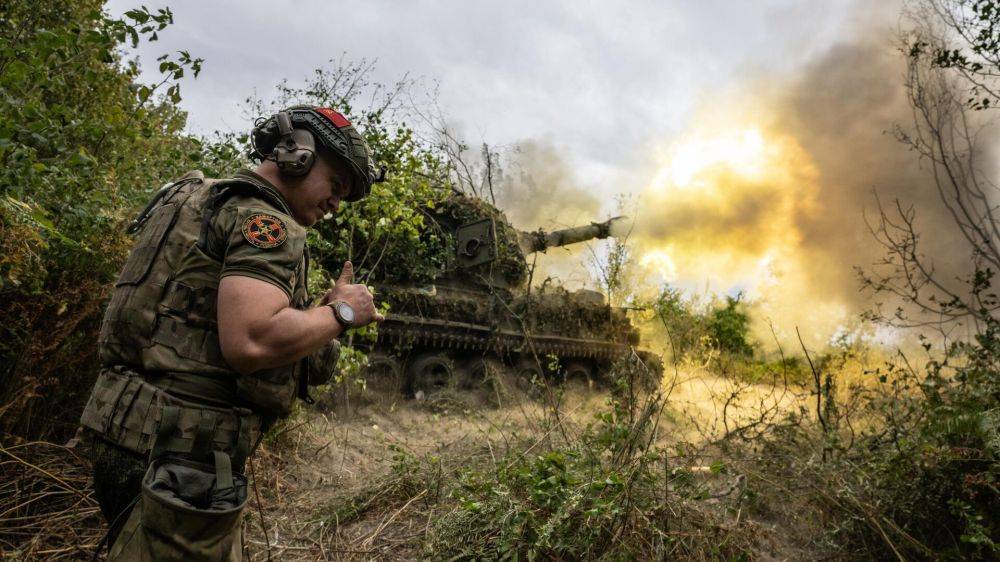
(331, 130)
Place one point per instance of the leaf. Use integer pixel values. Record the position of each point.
(138, 15)
(16, 71)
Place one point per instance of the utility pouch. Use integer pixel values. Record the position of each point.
(270, 391)
(188, 511)
(121, 409)
(130, 412)
(323, 363)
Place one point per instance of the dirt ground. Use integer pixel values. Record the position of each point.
(365, 478)
(328, 461)
(326, 485)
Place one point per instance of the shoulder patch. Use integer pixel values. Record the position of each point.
(264, 230)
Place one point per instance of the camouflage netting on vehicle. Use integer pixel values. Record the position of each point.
(415, 302)
(510, 266)
(574, 314)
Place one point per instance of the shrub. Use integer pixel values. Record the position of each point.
(907, 468)
(685, 326)
(82, 144)
(608, 494)
(936, 462)
(729, 327)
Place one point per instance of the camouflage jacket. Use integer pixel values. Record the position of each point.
(161, 320)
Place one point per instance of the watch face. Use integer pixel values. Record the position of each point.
(346, 312)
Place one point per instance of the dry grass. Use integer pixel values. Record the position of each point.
(329, 490)
(47, 511)
(373, 482)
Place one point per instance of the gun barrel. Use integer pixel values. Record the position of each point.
(539, 240)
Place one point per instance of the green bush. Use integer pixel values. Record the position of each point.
(684, 324)
(936, 462)
(778, 372)
(608, 494)
(729, 327)
(907, 467)
(82, 145)
(694, 328)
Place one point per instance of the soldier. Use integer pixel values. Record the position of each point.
(209, 336)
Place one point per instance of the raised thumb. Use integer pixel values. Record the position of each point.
(346, 274)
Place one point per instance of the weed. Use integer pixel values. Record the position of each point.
(605, 494)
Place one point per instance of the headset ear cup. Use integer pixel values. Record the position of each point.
(263, 139)
(295, 153)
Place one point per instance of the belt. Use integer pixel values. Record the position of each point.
(214, 390)
(131, 412)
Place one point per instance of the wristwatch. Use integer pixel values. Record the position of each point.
(343, 312)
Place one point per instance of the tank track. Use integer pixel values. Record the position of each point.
(413, 331)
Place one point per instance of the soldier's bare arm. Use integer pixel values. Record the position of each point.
(258, 328)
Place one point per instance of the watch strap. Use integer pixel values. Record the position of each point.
(336, 314)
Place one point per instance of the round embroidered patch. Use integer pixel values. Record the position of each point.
(264, 231)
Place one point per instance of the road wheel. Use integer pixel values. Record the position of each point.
(429, 373)
(384, 374)
(529, 377)
(487, 379)
(579, 373)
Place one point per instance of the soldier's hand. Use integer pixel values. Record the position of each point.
(358, 296)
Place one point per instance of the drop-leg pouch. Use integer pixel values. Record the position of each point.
(189, 511)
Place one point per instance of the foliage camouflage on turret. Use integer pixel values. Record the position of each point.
(420, 255)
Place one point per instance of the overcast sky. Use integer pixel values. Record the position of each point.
(601, 81)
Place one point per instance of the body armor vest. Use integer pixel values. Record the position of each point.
(162, 315)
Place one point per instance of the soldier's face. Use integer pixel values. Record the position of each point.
(320, 191)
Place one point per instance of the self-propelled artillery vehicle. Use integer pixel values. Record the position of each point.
(481, 316)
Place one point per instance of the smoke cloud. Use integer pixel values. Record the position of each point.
(540, 189)
(768, 192)
(770, 195)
